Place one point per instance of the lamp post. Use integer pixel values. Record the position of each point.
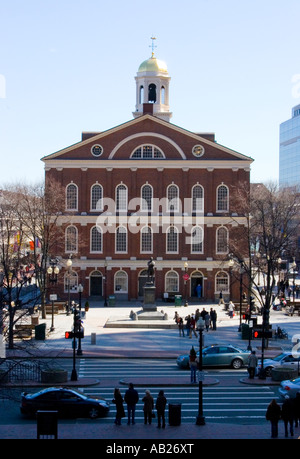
(80, 290)
(53, 272)
(105, 283)
(186, 278)
(74, 372)
(200, 420)
(69, 266)
(294, 266)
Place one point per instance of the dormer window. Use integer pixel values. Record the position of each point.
(147, 152)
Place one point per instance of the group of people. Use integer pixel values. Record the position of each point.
(190, 325)
(131, 398)
(289, 412)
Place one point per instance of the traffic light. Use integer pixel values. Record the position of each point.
(78, 334)
(69, 335)
(260, 334)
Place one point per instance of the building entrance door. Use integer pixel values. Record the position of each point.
(96, 283)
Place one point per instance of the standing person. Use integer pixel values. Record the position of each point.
(193, 365)
(213, 317)
(131, 398)
(148, 407)
(230, 309)
(207, 321)
(160, 406)
(181, 326)
(288, 416)
(193, 326)
(199, 290)
(273, 415)
(221, 301)
(187, 325)
(297, 408)
(252, 364)
(118, 400)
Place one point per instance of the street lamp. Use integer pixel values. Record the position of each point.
(186, 278)
(105, 283)
(200, 420)
(69, 266)
(53, 272)
(294, 266)
(80, 290)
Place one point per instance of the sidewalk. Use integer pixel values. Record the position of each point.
(128, 342)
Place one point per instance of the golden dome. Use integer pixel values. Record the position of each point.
(153, 65)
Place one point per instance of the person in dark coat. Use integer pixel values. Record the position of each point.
(118, 400)
(131, 398)
(288, 416)
(148, 407)
(273, 415)
(160, 406)
(296, 401)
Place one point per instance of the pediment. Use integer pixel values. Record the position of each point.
(119, 143)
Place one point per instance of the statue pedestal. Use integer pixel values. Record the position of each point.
(149, 311)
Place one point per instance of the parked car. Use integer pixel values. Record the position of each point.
(67, 402)
(284, 359)
(289, 387)
(218, 355)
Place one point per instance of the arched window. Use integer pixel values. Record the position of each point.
(197, 198)
(197, 240)
(146, 240)
(96, 197)
(172, 240)
(222, 240)
(71, 239)
(162, 95)
(172, 282)
(121, 198)
(121, 282)
(70, 282)
(71, 197)
(152, 93)
(141, 95)
(96, 239)
(173, 198)
(146, 195)
(121, 239)
(222, 198)
(222, 282)
(147, 152)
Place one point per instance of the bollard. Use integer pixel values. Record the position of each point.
(93, 338)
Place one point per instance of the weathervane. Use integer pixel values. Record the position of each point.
(153, 45)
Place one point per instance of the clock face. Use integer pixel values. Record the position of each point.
(198, 150)
(97, 150)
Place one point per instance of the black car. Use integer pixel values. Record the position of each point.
(67, 402)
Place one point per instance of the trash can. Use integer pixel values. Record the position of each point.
(40, 331)
(246, 331)
(46, 423)
(178, 300)
(174, 414)
(111, 300)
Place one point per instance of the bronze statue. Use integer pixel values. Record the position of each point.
(151, 265)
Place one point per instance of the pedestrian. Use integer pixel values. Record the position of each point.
(199, 290)
(131, 398)
(221, 301)
(160, 406)
(207, 321)
(192, 326)
(273, 415)
(176, 317)
(288, 416)
(297, 409)
(193, 365)
(120, 412)
(252, 364)
(187, 324)
(148, 407)
(231, 309)
(181, 326)
(213, 318)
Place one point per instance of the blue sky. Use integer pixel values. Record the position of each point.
(68, 66)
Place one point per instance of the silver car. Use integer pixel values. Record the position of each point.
(283, 359)
(289, 387)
